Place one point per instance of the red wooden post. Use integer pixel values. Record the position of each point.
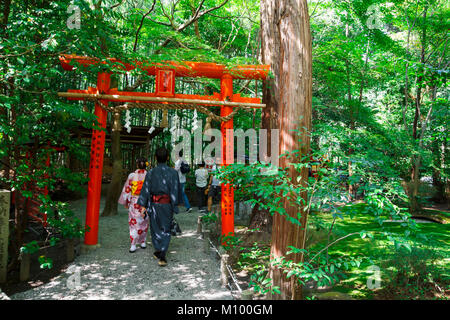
(96, 165)
(227, 194)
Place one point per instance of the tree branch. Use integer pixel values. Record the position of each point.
(161, 23)
(140, 26)
(198, 14)
(329, 245)
(167, 16)
(116, 5)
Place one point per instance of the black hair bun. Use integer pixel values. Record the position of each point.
(141, 163)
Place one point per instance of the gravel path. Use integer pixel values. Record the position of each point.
(111, 272)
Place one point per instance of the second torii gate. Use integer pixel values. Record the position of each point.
(165, 75)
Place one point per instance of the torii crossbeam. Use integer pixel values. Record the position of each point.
(165, 76)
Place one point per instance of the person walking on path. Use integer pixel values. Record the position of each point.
(180, 166)
(213, 189)
(129, 196)
(159, 198)
(201, 181)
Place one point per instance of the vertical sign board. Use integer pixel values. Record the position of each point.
(4, 233)
(227, 192)
(165, 83)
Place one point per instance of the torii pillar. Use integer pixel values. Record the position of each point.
(96, 166)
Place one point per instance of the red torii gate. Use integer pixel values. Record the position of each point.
(165, 75)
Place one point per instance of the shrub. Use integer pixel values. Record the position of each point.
(413, 273)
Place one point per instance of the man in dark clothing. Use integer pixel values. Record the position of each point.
(160, 196)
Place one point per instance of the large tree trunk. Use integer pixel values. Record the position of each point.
(439, 186)
(286, 46)
(260, 218)
(115, 187)
(440, 182)
(413, 194)
(5, 10)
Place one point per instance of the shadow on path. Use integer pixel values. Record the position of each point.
(111, 272)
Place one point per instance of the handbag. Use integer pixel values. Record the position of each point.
(185, 168)
(175, 228)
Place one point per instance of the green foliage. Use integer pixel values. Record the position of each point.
(229, 242)
(209, 218)
(322, 269)
(413, 272)
(255, 260)
(366, 84)
(324, 194)
(261, 283)
(45, 262)
(252, 183)
(361, 111)
(253, 257)
(64, 223)
(30, 247)
(32, 117)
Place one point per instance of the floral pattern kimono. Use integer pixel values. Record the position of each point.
(129, 196)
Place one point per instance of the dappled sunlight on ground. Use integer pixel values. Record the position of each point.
(111, 272)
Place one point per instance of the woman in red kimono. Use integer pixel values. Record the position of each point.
(129, 196)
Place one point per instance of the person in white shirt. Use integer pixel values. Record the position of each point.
(213, 189)
(182, 177)
(201, 181)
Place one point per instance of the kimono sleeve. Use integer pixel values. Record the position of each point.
(125, 196)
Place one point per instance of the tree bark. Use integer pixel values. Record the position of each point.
(5, 10)
(196, 28)
(261, 218)
(286, 46)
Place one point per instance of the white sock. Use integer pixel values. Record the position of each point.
(143, 245)
(133, 247)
